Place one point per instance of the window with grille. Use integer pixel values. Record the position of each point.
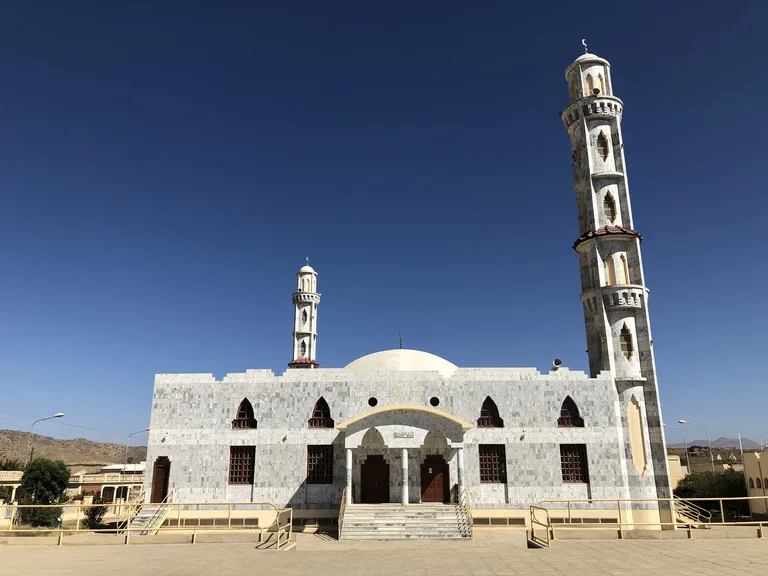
(321, 415)
(569, 414)
(320, 464)
(627, 348)
(573, 461)
(241, 460)
(489, 415)
(244, 417)
(493, 463)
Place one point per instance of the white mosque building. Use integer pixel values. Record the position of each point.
(408, 427)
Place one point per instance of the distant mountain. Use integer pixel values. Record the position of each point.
(721, 442)
(13, 445)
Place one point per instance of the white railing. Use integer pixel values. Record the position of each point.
(107, 479)
(466, 510)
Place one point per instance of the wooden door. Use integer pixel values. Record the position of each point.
(160, 477)
(434, 479)
(374, 480)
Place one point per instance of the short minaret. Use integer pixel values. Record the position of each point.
(305, 302)
(614, 295)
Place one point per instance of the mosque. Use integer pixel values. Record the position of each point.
(408, 427)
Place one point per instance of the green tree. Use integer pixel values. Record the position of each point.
(726, 484)
(44, 482)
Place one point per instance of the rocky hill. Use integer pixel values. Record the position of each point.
(13, 445)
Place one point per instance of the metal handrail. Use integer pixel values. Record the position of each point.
(342, 509)
(464, 503)
(283, 523)
(536, 522)
(693, 511)
(160, 508)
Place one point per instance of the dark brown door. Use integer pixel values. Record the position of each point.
(434, 479)
(160, 477)
(374, 480)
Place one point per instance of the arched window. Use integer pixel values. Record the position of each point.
(602, 145)
(624, 270)
(244, 417)
(590, 84)
(751, 483)
(489, 415)
(569, 415)
(601, 81)
(572, 90)
(609, 207)
(758, 483)
(627, 346)
(303, 317)
(321, 415)
(610, 271)
(303, 349)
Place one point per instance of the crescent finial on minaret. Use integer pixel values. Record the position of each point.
(584, 43)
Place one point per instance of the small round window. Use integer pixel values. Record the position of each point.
(372, 401)
(434, 401)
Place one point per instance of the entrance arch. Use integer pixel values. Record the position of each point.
(161, 474)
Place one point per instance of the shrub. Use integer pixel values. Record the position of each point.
(95, 514)
(44, 482)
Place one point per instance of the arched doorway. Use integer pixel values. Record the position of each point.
(434, 479)
(160, 477)
(374, 480)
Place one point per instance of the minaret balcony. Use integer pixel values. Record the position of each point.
(617, 297)
(623, 296)
(593, 107)
(305, 297)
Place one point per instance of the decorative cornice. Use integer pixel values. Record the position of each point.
(606, 231)
(303, 363)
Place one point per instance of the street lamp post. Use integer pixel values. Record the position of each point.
(711, 457)
(685, 444)
(29, 435)
(125, 461)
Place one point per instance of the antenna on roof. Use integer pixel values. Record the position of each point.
(584, 43)
(401, 339)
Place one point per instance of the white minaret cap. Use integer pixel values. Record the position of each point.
(307, 270)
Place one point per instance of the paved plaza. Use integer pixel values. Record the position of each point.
(489, 553)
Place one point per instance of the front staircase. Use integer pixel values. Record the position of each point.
(398, 522)
(149, 518)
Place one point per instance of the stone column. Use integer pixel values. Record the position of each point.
(460, 461)
(349, 476)
(405, 477)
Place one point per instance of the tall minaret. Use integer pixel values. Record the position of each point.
(614, 295)
(305, 303)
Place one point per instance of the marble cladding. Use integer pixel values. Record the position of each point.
(192, 414)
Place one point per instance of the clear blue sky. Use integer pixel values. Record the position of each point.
(166, 167)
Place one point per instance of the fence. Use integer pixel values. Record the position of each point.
(264, 518)
(547, 514)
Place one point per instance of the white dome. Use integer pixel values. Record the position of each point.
(402, 360)
(306, 270)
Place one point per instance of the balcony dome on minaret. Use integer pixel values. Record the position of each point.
(307, 269)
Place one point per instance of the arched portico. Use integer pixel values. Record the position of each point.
(410, 433)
